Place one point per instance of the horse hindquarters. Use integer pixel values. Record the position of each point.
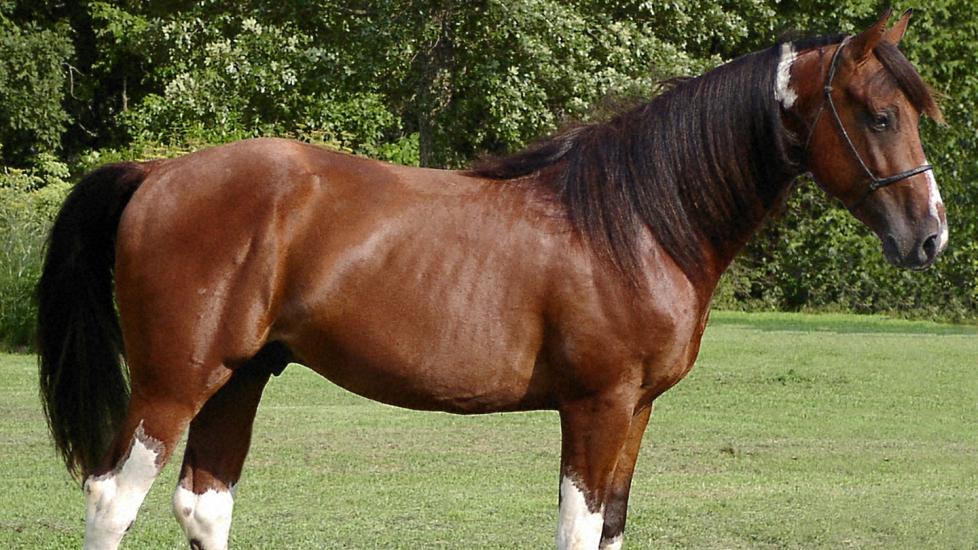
(83, 387)
(186, 330)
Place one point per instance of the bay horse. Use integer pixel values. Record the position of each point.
(574, 276)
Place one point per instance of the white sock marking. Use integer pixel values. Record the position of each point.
(782, 88)
(113, 499)
(578, 527)
(935, 201)
(613, 544)
(205, 518)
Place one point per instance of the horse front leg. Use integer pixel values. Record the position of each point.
(594, 432)
(616, 502)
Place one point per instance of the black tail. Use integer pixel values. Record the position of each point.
(83, 386)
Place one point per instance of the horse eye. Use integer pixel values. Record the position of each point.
(881, 121)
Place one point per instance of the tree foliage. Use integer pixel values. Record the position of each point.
(33, 70)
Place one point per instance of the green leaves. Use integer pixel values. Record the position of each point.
(34, 80)
(29, 200)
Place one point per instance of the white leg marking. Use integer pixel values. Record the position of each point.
(613, 544)
(578, 527)
(113, 499)
(935, 201)
(782, 87)
(205, 518)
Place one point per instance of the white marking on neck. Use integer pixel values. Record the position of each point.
(578, 527)
(113, 499)
(933, 207)
(205, 518)
(782, 87)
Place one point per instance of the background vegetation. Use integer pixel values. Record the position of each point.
(436, 83)
(793, 431)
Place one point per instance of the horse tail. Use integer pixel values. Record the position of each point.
(83, 386)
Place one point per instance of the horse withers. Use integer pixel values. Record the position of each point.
(574, 276)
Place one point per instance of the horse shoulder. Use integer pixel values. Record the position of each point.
(613, 334)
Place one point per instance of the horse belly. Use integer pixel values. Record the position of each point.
(444, 332)
(406, 372)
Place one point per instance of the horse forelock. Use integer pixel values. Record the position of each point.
(908, 79)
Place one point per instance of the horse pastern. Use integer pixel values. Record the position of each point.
(613, 543)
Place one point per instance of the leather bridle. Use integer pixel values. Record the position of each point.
(875, 182)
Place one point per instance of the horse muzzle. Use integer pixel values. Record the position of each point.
(912, 251)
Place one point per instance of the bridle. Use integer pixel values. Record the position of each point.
(875, 182)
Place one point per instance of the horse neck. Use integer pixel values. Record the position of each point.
(719, 258)
(738, 192)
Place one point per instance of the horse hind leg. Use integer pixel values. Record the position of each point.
(218, 442)
(115, 490)
(165, 396)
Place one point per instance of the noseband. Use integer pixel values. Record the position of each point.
(875, 182)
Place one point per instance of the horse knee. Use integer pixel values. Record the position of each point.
(205, 518)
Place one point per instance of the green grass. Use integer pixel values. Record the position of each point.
(793, 431)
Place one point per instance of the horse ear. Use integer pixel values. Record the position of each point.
(895, 34)
(863, 44)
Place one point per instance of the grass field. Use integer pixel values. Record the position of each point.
(792, 431)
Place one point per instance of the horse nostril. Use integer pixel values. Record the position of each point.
(930, 247)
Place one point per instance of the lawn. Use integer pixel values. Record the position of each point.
(792, 431)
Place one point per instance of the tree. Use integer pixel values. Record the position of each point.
(35, 76)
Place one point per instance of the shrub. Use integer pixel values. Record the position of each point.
(29, 200)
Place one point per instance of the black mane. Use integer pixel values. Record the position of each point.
(695, 165)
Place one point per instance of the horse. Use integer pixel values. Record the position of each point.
(573, 276)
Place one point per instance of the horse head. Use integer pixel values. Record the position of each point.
(858, 103)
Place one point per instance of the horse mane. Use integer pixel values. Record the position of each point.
(695, 164)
